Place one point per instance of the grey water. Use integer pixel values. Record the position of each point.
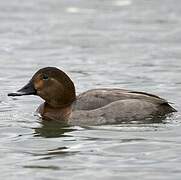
(133, 44)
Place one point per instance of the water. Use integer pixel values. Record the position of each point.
(133, 44)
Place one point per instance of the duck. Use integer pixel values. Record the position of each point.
(93, 107)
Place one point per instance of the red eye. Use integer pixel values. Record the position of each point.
(45, 77)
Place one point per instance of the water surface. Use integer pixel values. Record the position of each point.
(133, 44)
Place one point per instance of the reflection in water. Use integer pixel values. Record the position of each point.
(53, 153)
(52, 129)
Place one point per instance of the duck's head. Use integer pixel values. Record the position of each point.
(52, 85)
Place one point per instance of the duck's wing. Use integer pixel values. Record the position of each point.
(97, 98)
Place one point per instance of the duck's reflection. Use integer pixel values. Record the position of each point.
(52, 129)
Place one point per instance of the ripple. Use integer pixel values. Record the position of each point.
(122, 3)
(42, 167)
(73, 10)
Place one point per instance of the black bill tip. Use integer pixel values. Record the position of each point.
(15, 94)
(26, 90)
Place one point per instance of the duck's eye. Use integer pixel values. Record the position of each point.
(45, 77)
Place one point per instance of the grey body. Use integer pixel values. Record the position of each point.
(110, 106)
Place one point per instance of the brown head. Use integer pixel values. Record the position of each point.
(52, 85)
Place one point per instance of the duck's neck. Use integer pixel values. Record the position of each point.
(51, 113)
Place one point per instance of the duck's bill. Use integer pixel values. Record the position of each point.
(26, 90)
